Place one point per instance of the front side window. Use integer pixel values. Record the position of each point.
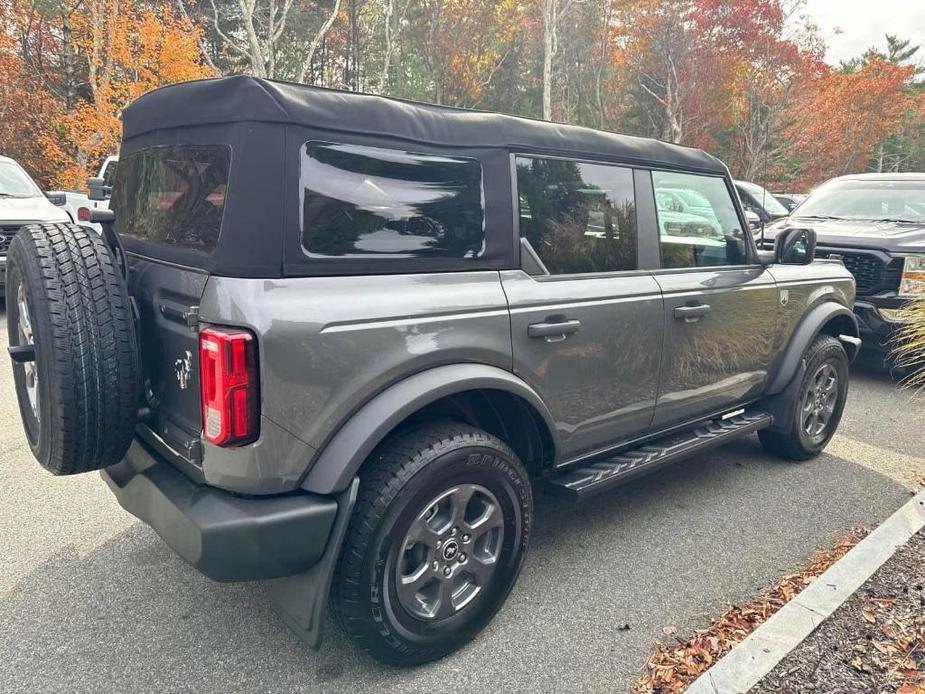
(173, 195)
(578, 217)
(371, 202)
(697, 221)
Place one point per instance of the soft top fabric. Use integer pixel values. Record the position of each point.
(242, 99)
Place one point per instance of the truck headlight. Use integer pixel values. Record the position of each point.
(912, 283)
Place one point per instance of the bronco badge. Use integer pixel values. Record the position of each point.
(182, 368)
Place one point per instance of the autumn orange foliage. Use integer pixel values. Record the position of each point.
(841, 117)
(735, 78)
(61, 117)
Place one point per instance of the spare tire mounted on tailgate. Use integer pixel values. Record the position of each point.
(73, 343)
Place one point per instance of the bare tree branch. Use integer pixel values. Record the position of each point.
(317, 39)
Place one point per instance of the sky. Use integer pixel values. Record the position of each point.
(863, 23)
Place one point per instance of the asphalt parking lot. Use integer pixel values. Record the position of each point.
(92, 601)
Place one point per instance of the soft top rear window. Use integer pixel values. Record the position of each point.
(173, 195)
(372, 202)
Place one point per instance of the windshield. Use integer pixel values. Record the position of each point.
(770, 204)
(15, 183)
(868, 201)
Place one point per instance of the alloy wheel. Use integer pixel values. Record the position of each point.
(24, 328)
(450, 552)
(820, 397)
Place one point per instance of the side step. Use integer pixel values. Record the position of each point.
(599, 476)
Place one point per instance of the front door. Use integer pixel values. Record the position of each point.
(721, 309)
(587, 325)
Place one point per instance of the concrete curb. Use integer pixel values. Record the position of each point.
(746, 664)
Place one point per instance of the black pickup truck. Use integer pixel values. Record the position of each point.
(876, 224)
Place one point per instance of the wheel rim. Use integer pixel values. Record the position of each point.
(450, 552)
(30, 374)
(818, 403)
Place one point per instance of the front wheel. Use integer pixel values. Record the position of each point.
(436, 542)
(819, 403)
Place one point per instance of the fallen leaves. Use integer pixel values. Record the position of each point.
(673, 666)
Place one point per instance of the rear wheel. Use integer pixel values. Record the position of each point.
(76, 374)
(820, 401)
(435, 544)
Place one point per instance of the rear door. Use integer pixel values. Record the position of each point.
(169, 203)
(586, 324)
(721, 308)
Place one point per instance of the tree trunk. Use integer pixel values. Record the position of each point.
(550, 19)
(69, 90)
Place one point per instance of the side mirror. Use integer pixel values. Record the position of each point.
(99, 216)
(58, 199)
(754, 221)
(791, 206)
(98, 189)
(795, 246)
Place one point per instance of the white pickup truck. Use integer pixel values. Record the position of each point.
(79, 205)
(22, 202)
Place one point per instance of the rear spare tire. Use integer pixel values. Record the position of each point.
(78, 398)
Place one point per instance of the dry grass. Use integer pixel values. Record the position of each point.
(909, 348)
(673, 666)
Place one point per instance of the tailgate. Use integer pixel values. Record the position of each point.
(168, 299)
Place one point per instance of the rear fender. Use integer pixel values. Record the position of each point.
(338, 462)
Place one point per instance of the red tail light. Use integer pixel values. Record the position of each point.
(83, 214)
(229, 384)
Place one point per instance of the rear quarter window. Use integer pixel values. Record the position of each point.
(173, 195)
(371, 202)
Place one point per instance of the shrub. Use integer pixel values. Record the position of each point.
(909, 348)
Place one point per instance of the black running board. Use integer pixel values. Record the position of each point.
(604, 474)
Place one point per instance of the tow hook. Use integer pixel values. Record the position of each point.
(851, 340)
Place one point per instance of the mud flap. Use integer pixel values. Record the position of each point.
(300, 600)
(781, 405)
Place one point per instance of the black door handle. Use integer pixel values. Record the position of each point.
(559, 329)
(691, 313)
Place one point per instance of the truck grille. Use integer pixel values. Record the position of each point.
(7, 232)
(872, 274)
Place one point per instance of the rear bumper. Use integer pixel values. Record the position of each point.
(226, 537)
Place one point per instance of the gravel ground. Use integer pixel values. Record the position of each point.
(91, 600)
(872, 643)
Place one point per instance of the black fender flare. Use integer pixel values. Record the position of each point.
(337, 463)
(809, 327)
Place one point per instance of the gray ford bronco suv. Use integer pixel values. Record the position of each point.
(336, 340)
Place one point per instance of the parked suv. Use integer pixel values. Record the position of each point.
(760, 202)
(335, 340)
(21, 202)
(875, 224)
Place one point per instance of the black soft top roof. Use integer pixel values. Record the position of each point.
(240, 99)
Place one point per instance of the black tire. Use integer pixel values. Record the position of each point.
(793, 441)
(396, 486)
(86, 357)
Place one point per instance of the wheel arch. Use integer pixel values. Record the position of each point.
(828, 318)
(481, 395)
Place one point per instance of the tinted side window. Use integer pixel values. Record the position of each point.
(578, 217)
(697, 221)
(173, 195)
(372, 202)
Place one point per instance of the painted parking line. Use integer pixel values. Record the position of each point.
(906, 469)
